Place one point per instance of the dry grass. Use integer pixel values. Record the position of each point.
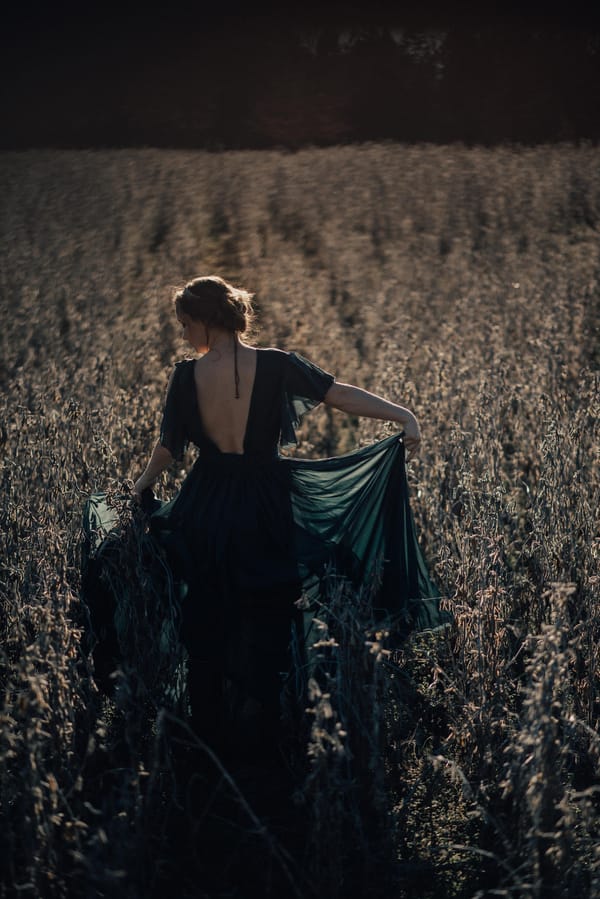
(463, 282)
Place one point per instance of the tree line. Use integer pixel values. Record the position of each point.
(267, 85)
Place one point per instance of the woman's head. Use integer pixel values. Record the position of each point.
(215, 303)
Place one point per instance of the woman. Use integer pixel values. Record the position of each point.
(250, 531)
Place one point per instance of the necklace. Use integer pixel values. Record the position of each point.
(236, 373)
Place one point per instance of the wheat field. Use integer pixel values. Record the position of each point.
(462, 282)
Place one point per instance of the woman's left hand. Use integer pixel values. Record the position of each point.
(138, 489)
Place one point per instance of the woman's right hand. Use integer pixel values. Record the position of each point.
(412, 436)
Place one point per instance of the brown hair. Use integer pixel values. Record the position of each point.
(216, 304)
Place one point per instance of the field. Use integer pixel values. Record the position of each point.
(461, 282)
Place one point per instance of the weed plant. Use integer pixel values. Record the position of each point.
(462, 282)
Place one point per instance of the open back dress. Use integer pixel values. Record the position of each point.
(249, 534)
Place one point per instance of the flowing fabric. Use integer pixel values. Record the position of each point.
(248, 534)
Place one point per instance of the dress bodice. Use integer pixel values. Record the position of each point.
(285, 387)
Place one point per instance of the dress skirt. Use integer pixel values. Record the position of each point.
(249, 535)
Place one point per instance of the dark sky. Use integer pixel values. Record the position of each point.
(224, 76)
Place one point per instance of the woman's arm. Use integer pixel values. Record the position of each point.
(160, 459)
(357, 401)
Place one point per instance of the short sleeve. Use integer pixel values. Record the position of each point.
(173, 434)
(305, 385)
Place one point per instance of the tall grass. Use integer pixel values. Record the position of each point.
(461, 282)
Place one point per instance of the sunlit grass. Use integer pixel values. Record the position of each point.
(464, 284)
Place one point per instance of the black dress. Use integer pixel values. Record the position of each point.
(249, 534)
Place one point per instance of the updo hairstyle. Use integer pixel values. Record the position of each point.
(216, 304)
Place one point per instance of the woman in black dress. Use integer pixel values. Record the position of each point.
(251, 531)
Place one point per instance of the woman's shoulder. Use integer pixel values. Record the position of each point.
(279, 355)
(272, 358)
(294, 364)
(182, 367)
(181, 372)
(271, 350)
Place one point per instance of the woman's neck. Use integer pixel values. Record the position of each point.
(223, 343)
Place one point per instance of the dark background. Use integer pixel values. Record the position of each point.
(239, 76)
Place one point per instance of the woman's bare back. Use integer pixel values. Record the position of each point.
(224, 417)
